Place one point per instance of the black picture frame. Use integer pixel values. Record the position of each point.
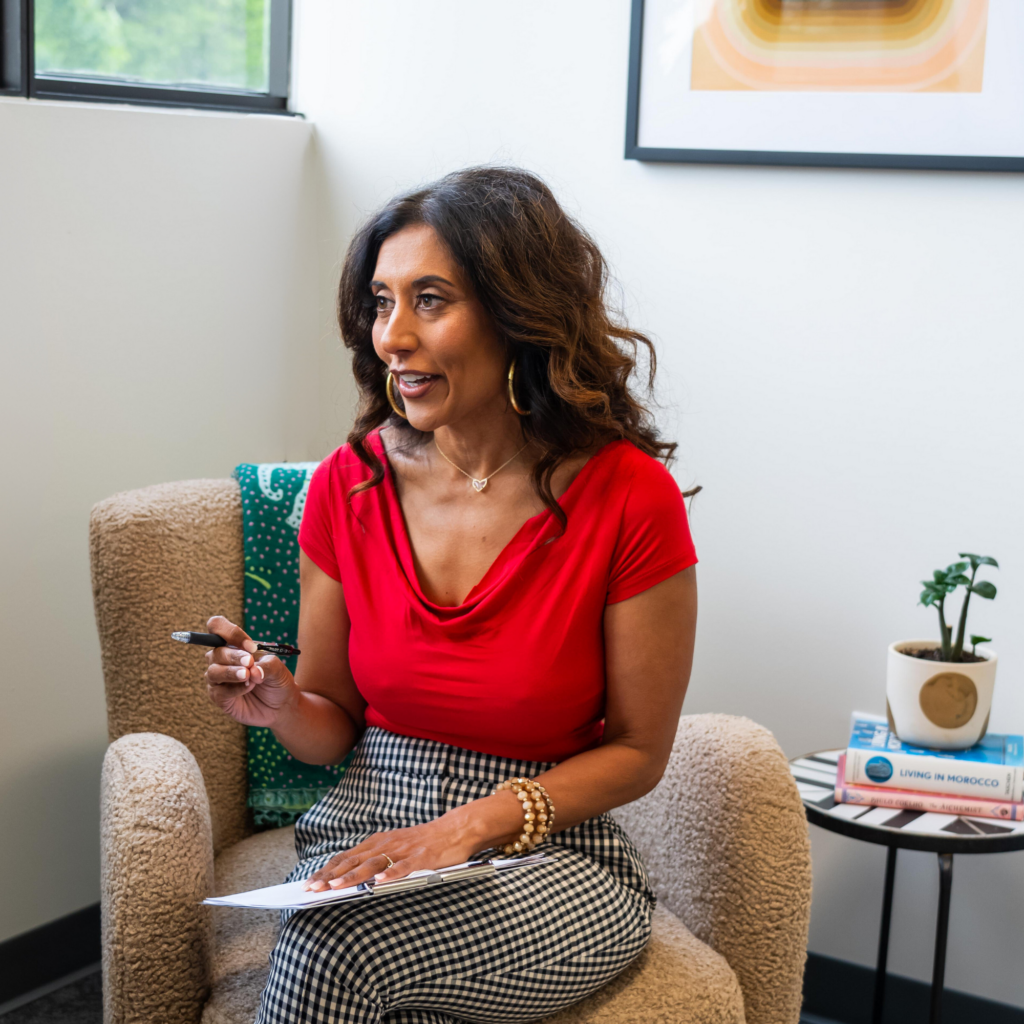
(781, 158)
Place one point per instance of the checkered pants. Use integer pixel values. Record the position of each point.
(499, 948)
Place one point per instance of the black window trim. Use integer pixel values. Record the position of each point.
(18, 77)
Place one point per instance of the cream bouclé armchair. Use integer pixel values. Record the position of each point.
(724, 834)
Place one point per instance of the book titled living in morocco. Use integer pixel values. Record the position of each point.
(992, 769)
(878, 796)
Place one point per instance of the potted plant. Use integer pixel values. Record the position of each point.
(939, 694)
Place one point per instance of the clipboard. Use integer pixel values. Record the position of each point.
(291, 896)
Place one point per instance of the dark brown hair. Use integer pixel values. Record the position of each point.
(543, 280)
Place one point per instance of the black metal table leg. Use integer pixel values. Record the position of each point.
(941, 934)
(878, 1003)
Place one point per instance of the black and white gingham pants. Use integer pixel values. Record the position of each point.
(502, 948)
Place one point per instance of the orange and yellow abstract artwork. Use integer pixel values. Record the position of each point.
(840, 45)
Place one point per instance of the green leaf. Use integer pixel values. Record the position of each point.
(928, 598)
(984, 589)
(957, 567)
(977, 560)
(939, 576)
(975, 639)
(957, 581)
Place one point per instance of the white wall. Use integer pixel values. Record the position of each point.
(159, 320)
(841, 362)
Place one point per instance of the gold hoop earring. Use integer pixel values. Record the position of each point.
(388, 382)
(512, 391)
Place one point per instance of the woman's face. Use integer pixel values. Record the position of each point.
(434, 334)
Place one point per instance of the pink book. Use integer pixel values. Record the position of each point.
(876, 796)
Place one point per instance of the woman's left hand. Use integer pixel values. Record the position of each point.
(437, 844)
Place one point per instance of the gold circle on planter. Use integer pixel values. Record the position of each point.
(949, 700)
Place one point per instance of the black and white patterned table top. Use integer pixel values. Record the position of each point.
(815, 776)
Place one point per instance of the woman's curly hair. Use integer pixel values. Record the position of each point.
(543, 280)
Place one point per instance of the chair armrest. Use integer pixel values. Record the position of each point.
(725, 839)
(156, 867)
(164, 558)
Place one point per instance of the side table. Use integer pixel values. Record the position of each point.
(943, 834)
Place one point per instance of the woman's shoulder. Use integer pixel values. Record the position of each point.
(328, 511)
(653, 538)
(634, 471)
(344, 468)
(626, 491)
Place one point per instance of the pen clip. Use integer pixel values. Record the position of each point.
(281, 650)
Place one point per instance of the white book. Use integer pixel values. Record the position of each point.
(292, 896)
(993, 769)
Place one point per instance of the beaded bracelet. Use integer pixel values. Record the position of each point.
(538, 813)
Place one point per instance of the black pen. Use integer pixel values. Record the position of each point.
(212, 640)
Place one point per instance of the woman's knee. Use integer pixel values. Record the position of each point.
(338, 944)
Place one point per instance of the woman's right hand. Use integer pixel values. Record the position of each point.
(252, 690)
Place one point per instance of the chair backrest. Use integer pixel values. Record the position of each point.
(165, 558)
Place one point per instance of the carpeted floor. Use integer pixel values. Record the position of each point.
(81, 1002)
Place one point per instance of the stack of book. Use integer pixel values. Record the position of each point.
(984, 781)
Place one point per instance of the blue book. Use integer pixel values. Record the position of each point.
(992, 769)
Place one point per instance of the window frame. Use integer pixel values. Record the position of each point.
(18, 76)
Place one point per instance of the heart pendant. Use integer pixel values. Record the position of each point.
(479, 485)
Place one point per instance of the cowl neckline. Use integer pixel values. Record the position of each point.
(541, 528)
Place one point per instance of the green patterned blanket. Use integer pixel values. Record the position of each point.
(273, 497)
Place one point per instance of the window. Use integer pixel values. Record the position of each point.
(222, 54)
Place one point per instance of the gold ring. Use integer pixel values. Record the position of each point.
(391, 863)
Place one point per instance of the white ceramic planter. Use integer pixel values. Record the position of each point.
(939, 704)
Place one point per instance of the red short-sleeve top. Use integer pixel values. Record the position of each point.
(517, 669)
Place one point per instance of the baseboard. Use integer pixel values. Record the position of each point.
(49, 953)
(841, 991)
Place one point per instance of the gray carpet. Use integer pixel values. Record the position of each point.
(81, 1002)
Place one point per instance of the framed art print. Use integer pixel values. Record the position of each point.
(864, 83)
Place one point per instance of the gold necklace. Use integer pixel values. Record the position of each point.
(479, 485)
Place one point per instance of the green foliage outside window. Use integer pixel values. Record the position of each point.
(207, 42)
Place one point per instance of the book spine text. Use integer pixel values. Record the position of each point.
(890, 770)
(875, 797)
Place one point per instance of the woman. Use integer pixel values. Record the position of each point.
(497, 583)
